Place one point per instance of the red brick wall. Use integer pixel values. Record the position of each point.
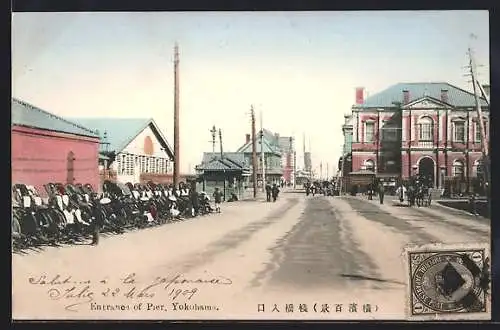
(40, 157)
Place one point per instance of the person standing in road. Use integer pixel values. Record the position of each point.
(217, 199)
(268, 192)
(275, 192)
(381, 192)
(97, 223)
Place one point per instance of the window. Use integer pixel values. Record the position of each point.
(458, 169)
(477, 131)
(459, 131)
(123, 167)
(130, 165)
(369, 129)
(369, 165)
(163, 165)
(426, 129)
(389, 131)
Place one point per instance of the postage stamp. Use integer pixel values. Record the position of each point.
(448, 282)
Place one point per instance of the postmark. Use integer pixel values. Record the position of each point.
(448, 282)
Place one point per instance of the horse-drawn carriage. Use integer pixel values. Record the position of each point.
(423, 196)
(417, 192)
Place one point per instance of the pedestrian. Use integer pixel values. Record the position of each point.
(401, 193)
(194, 198)
(97, 223)
(268, 191)
(472, 201)
(370, 192)
(275, 192)
(381, 192)
(217, 199)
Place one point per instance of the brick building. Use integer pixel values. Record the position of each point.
(47, 148)
(429, 129)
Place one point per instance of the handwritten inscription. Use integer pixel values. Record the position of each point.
(76, 293)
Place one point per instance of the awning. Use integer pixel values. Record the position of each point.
(102, 157)
(362, 172)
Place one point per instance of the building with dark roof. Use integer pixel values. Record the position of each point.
(277, 160)
(137, 149)
(229, 172)
(47, 148)
(429, 129)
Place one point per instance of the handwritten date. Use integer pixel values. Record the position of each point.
(78, 293)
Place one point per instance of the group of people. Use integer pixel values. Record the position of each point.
(379, 189)
(272, 191)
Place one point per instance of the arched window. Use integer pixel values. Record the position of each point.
(458, 169)
(426, 129)
(148, 146)
(369, 165)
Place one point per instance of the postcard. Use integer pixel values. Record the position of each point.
(250, 166)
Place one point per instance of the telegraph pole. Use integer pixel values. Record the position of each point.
(221, 156)
(213, 131)
(254, 153)
(262, 154)
(484, 144)
(220, 142)
(176, 116)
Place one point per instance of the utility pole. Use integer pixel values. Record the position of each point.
(254, 153)
(342, 181)
(176, 116)
(220, 142)
(221, 156)
(262, 154)
(484, 144)
(327, 166)
(213, 131)
(294, 169)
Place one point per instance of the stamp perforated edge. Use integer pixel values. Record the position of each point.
(444, 247)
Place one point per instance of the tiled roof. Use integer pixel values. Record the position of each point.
(237, 157)
(222, 164)
(457, 97)
(25, 114)
(121, 131)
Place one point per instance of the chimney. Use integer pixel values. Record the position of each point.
(247, 138)
(486, 89)
(444, 95)
(360, 95)
(406, 96)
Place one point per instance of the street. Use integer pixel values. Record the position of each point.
(300, 257)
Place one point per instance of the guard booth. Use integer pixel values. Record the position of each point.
(226, 174)
(361, 179)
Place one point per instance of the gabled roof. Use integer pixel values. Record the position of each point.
(121, 131)
(457, 97)
(270, 143)
(27, 115)
(237, 157)
(225, 163)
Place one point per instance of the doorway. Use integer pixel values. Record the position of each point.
(426, 169)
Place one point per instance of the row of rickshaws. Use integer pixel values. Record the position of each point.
(71, 212)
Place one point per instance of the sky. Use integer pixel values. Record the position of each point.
(298, 69)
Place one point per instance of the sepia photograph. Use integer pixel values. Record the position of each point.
(294, 165)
